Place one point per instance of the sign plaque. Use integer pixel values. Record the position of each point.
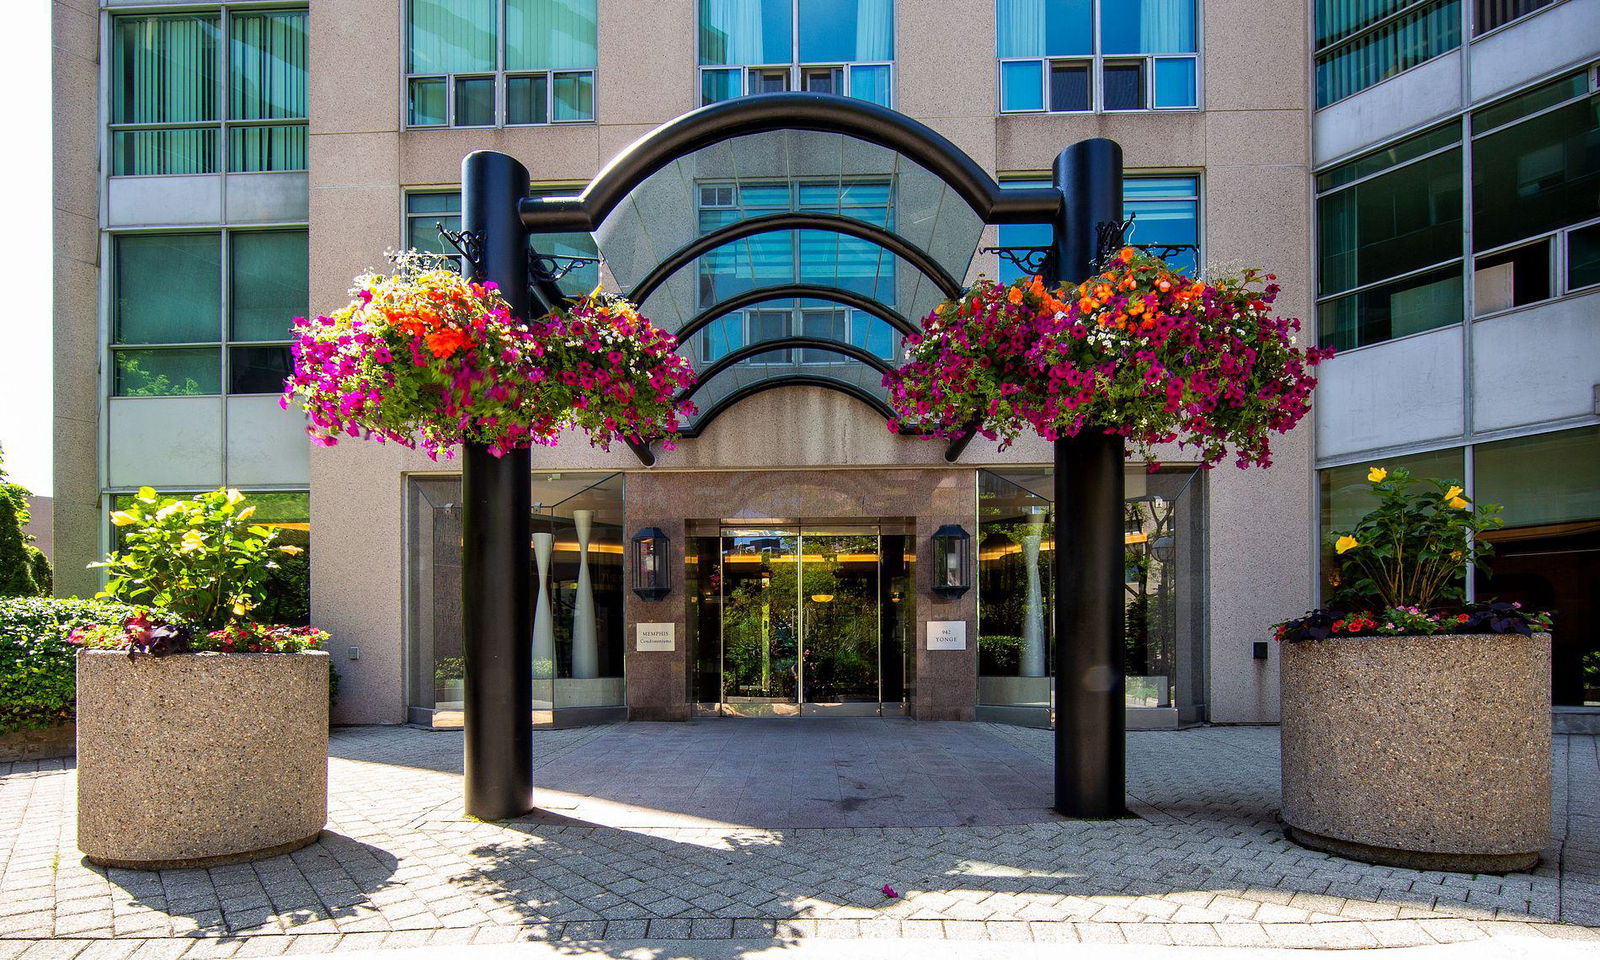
(655, 637)
(947, 634)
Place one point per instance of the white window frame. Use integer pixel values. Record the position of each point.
(795, 66)
(500, 73)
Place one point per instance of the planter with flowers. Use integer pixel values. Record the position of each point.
(1415, 728)
(424, 358)
(202, 735)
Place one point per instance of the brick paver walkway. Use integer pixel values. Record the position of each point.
(780, 829)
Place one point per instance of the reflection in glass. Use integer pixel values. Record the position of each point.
(577, 634)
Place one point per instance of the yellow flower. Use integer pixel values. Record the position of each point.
(1459, 503)
(1376, 474)
(1345, 543)
(1454, 493)
(234, 496)
(168, 510)
(192, 541)
(147, 494)
(291, 550)
(122, 518)
(246, 512)
(242, 606)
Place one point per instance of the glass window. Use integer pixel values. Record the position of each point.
(165, 112)
(1370, 42)
(1346, 496)
(1070, 91)
(1548, 555)
(1031, 34)
(1531, 102)
(167, 373)
(584, 278)
(550, 34)
(258, 369)
(1147, 26)
(1535, 175)
(168, 288)
(542, 69)
(164, 109)
(1583, 257)
(1404, 219)
(270, 285)
(1512, 278)
(425, 212)
(474, 101)
(821, 46)
(1166, 212)
(1495, 13)
(267, 82)
(1423, 301)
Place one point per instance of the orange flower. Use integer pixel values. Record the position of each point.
(1135, 307)
(1102, 291)
(1088, 305)
(1164, 285)
(1015, 296)
(444, 343)
(1036, 287)
(1125, 254)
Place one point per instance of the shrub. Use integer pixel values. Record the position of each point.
(16, 566)
(1496, 617)
(198, 559)
(37, 663)
(160, 636)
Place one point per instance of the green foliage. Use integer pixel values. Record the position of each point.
(1414, 547)
(37, 663)
(16, 567)
(449, 668)
(44, 575)
(200, 559)
(1001, 654)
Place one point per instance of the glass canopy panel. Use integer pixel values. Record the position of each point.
(777, 172)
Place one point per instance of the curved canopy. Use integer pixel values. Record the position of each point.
(789, 238)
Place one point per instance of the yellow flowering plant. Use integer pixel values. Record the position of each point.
(1416, 546)
(200, 559)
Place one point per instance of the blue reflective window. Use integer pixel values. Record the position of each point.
(1147, 26)
(745, 31)
(1022, 85)
(718, 85)
(721, 337)
(1166, 211)
(871, 83)
(871, 334)
(1044, 28)
(1175, 82)
(846, 31)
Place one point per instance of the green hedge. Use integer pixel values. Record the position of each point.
(38, 682)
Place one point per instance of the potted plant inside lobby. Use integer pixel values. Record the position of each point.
(202, 735)
(1416, 729)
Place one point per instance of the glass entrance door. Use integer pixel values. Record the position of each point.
(800, 621)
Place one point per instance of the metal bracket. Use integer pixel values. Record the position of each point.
(1033, 261)
(550, 268)
(469, 243)
(1110, 236)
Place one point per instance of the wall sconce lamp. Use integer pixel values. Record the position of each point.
(1164, 548)
(952, 559)
(652, 577)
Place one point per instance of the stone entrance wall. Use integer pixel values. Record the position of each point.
(946, 680)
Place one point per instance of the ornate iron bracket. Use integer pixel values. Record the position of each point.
(1110, 236)
(1166, 251)
(468, 242)
(1033, 261)
(550, 268)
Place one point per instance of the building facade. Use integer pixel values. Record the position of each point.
(223, 167)
(1457, 182)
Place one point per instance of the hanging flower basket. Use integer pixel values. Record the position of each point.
(1139, 350)
(425, 358)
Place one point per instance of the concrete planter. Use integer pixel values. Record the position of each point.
(1430, 753)
(200, 758)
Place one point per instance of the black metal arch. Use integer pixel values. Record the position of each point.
(779, 222)
(808, 291)
(784, 343)
(766, 113)
(798, 380)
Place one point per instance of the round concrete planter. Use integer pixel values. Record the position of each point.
(199, 759)
(1431, 753)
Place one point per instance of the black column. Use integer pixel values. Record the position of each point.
(1090, 753)
(496, 561)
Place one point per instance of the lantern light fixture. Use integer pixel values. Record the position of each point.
(652, 576)
(952, 561)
